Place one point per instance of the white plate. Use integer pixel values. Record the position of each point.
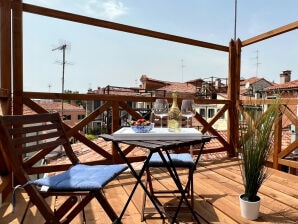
(158, 134)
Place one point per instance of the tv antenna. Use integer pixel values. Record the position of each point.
(182, 69)
(235, 21)
(62, 48)
(257, 64)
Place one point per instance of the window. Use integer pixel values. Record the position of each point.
(203, 112)
(81, 116)
(210, 113)
(66, 117)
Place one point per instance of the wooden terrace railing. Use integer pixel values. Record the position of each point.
(117, 103)
(282, 150)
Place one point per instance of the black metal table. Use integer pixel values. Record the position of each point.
(159, 146)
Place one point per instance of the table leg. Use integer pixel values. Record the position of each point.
(139, 181)
(173, 172)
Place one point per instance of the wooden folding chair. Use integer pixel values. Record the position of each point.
(27, 140)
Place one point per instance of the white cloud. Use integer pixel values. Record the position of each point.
(107, 9)
(103, 9)
(43, 3)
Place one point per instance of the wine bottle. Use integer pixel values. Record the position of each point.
(174, 115)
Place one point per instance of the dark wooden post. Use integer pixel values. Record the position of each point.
(5, 67)
(17, 51)
(277, 141)
(233, 94)
(5, 45)
(115, 127)
(5, 88)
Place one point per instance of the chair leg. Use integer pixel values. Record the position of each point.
(38, 200)
(77, 209)
(148, 183)
(106, 205)
(191, 191)
(65, 207)
(149, 180)
(144, 198)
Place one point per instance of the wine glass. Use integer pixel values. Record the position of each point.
(160, 108)
(188, 110)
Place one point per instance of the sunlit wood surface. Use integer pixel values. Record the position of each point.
(217, 187)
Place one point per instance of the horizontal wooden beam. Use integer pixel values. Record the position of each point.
(120, 27)
(106, 97)
(271, 33)
(287, 162)
(253, 101)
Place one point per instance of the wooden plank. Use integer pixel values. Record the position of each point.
(271, 33)
(128, 184)
(202, 206)
(217, 186)
(117, 196)
(118, 98)
(273, 202)
(22, 199)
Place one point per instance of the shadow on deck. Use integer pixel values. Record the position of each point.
(217, 186)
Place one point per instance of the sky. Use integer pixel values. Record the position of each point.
(97, 57)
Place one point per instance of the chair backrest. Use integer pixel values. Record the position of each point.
(28, 140)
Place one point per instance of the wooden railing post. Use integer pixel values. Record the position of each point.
(115, 127)
(5, 90)
(5, 46)
(233, 95)
(17, 53)
(277, 141)
(115, 117)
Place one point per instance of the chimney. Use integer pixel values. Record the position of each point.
(217, 83)
(285, 76)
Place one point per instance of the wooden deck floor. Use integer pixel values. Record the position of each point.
(217, 187)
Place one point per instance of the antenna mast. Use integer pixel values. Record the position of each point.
(257, 64)
(182, 69)
(235, 21)
(62, 48)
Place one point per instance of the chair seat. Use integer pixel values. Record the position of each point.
(179, 160)
(81, 177)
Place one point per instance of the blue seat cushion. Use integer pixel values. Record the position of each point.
(179, 160)
(81, 177)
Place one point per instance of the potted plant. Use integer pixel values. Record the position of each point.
(256, 139)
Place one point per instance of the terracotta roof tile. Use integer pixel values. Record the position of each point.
(288, 85)
(180, 87)
(249, 80)
(49, 105)
(146, 78)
